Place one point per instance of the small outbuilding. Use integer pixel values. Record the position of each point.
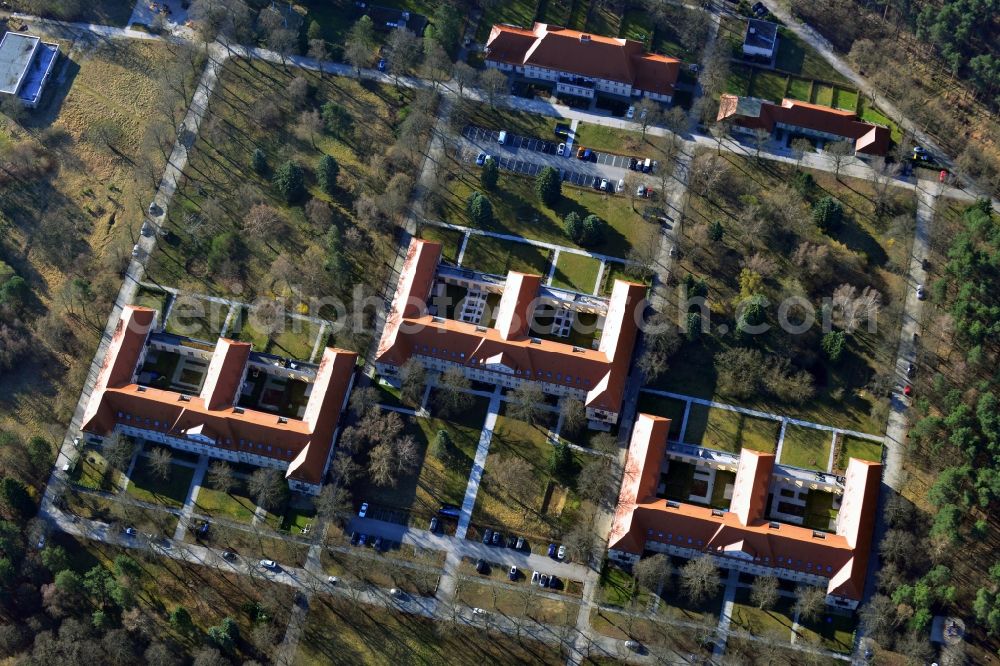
(761, 40)
(26, 62)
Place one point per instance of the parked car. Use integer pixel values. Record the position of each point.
(354, 538)
(497, 538)
(381, 64)
(589, 155)
(363, 510)
(520, 543)
(649, 192)
(543, 580)
(434, 524)
(554, 583)
(511, 540)
(363, 539)
(396, 592)
(332, 580)
(907, 390)
(921, 293)
(562, 129)
(604, 185)
(552, 550)
(910, 369)
(535, 576)
(502, 137)
(482, 567)
(512, 574)
(229, 556)
(561, 149)
(269, 564)
(130, 531)
(561, 553)
(640, 191)
(630, 114)
(580, 152)
(597, 182)
(377, 544)
(478, 611)
(481, 159)
(635, 646)
(632, 162)
(620, 187)
(487, 535)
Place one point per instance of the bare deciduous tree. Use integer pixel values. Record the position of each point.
(464, 75)
(494, 83)
(160, 462)
(262, 220)
(810, 602)
(220, 476)
(513, 475)
(764, 592)
(839, 151)
(268, 487)
(700, 579)
(118, 450)
(452, 396)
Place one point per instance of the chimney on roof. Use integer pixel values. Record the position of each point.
(584, 39)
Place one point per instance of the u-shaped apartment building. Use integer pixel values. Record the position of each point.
(226, 402)
(505, 351)
(746, 537)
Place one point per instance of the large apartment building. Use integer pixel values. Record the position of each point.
(748, 535)
(502, 349)
(793, 117)
(582, 64)
(226, 402)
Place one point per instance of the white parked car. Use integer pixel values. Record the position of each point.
(269, 564)
(332, 580)
(561, 149)
(630, 114)
(478, 611)
(535, 577)
(562, 553)
(363, 510)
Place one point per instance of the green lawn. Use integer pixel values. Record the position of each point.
(819, 511)
(450, 239)
(515, 12)
(576, 272)
(197, 318)
(616, 271)
(91, 471)
(235, 505)
(845, 98)
(797, 57)
(109, 12)
(637, 24)
(517, 211)
(731, 431)
(671, 408)
(766, 84)
(833, 631)
(493, 255)
(149, 488)
(547, 508)
(610, 140)
(555, 12)
(507, 602)
(864, 449)
(295, 340)
(152, 299)
(616, 586)
(722, 479)
(871, 114)
(337, 631)
(808, 448)
(822, 94)
(775, 623)
(738, 81)
(800, 89)
(295, 519)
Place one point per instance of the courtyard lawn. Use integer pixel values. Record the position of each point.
(678, 481)
(497, 256)
(576, 272)
(670, 408)
(172, 491)
(727, 430)
(616, 586)
(797, 57)
(336, 632)
(548, 508)
(450, 239)
(820, 513)
(808, 448)
(852, 447)
(873, 115)
(296, 339)
(845, 98)
(617, 271)
(723, 478)
(800, 89)
(197, 318)
(149, 298)
(769, 85)
(822, 94)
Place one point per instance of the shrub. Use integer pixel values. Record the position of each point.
(593, 230)
(573, 226)
(490, 174)
(259, 161)
(833, 345)
(716, 231)
(827, 214)
(803, 182)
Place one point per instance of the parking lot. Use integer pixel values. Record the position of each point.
(528, 156)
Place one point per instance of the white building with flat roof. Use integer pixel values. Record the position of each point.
(26, 62)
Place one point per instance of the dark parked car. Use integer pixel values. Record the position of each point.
(229, 556)
(552, 550)
(520, 543)
(482, 567)
(363, 539)
(597, 182)
(512, 541)
(354, 538)
(544, 580)
(486, 536)
(434, 524)
(377, 545)
(632, 162)
(497, 538)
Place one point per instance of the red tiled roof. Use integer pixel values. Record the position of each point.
(743, 532)
(600, 372)
(754, 113)
(212, 417)
(574, 52)
(517, 305)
